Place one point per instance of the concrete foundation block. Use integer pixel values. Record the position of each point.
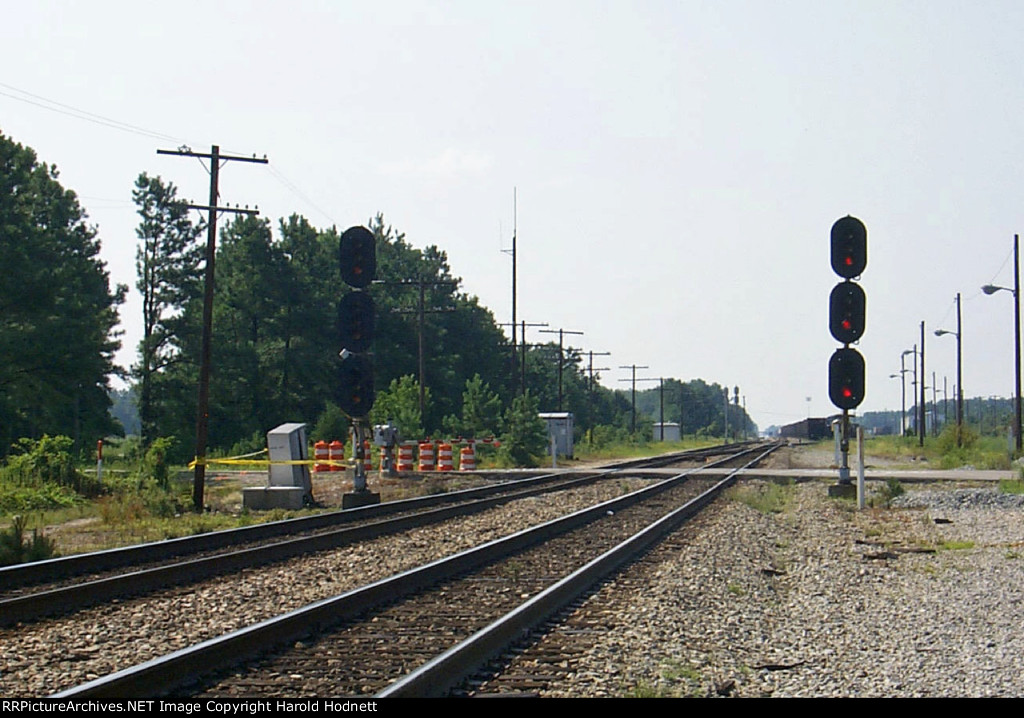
(262, 498)
(355, 499)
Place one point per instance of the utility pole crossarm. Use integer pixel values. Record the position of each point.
(214, 155)
(633, 368)
(421, 284)
(561, 358)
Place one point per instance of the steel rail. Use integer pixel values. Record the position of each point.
(181, 667)
(443, 673)
(97, 561)
(66, 599)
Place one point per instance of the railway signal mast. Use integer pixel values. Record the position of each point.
(847, 317)
(356, 327)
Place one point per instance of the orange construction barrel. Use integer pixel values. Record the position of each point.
(405, 462)
(321, 453)
(336, 454)
(427, 456)
(467, 458)
(444, 458)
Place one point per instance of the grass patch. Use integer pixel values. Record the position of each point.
(768, 498)
(15, 547)
(645, 689)
(623, 450)
(1011, 486)
(956, 545)
(884, 496)
(981, 452)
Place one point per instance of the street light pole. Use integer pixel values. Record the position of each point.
(992, 289)
(920, 432)
(959, 372)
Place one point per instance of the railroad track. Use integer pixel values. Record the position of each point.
(30, 591)
(366, 656)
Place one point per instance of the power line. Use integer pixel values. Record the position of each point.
(81, 114)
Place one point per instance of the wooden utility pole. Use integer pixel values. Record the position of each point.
(513, 253)
(633, 367)
(420, 311)
(561, 356)
(520, 386)
(203, 410)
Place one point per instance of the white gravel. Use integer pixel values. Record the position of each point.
(822, 600)
(44, 657)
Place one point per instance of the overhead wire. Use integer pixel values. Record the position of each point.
(80, 114)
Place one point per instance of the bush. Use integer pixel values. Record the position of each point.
(47, 461)
(525, 436)
(15, 549)
(154, 463)
(20, 499)
(256, 442)
(330, 425)
(947, 439)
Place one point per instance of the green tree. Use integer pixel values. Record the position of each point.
(481, 411)
(460, 338)
(57, 309)
(525, 436)
(400, 404)
(167, 263)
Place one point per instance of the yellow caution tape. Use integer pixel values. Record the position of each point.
(264, 462)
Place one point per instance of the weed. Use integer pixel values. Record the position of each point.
(736, 589)
(1011, 486)
(768, 498)
(956, 545)
(676, 670)
(513, 569)
(644, 689)
(14, 548)
(890, 491)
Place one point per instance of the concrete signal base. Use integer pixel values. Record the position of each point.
(842, 491)
(259, 498)
(355, 499)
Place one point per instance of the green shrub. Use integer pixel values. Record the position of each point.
(525, 437)
(47, 460)
(14, 548)
(768, 498)
(154, 463)
(21, 499)
(330, 425)
(256, 442)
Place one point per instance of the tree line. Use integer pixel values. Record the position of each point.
(274, 349)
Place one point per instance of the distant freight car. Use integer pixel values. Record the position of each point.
(810, 429)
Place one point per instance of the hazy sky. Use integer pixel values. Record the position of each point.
(678, 164)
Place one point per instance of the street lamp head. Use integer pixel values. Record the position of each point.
(992, 289)
(940, 332)
(908, 351)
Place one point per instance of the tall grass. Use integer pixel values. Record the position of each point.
(981, 452)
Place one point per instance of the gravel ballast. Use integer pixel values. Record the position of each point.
(821, 600)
